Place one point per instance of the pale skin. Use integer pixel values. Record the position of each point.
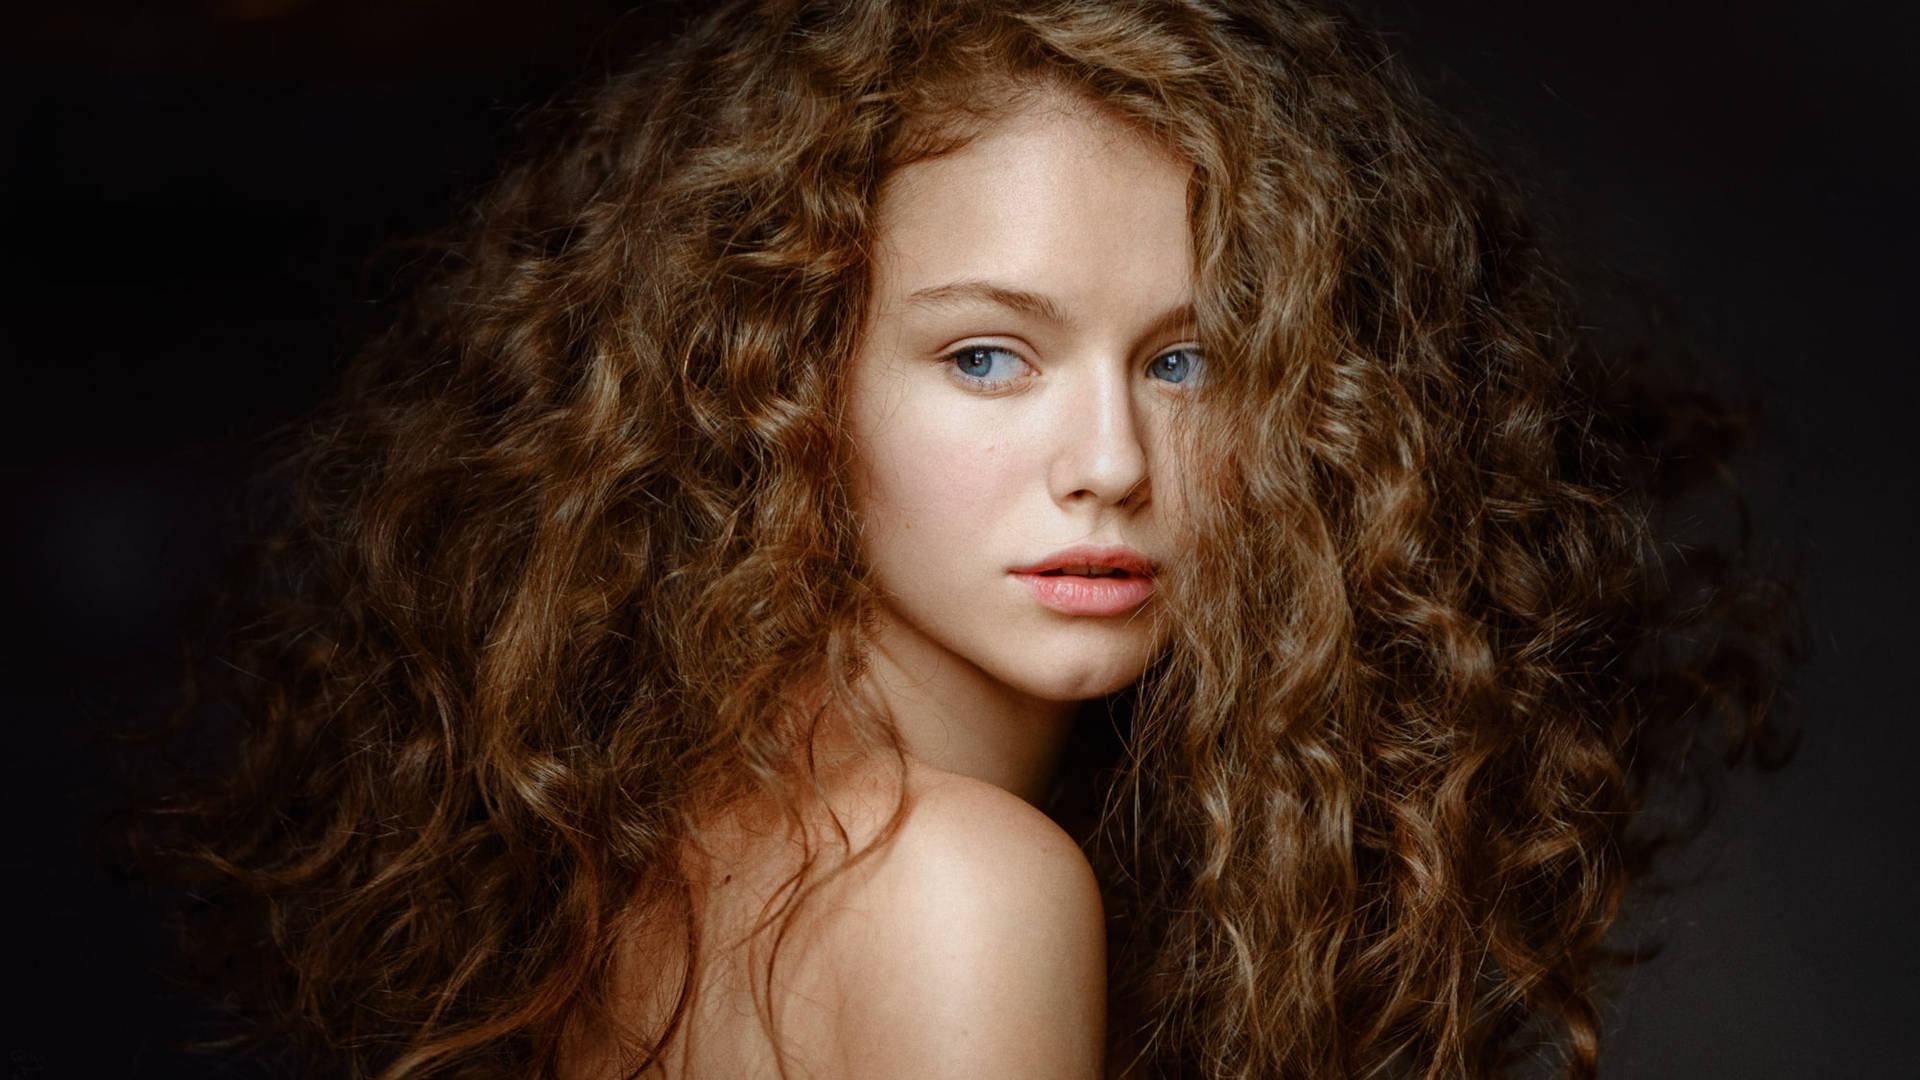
(1029, 339)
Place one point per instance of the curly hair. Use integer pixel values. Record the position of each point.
(574, 530)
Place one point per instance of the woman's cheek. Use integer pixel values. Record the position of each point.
(940, 465)
(945, 501)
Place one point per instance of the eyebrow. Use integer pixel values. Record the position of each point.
(960, 292)
(1028, 303)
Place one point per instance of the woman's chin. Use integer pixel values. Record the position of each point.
(1069, 680)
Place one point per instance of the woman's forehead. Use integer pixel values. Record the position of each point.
(1058, 214)
(1057, 180)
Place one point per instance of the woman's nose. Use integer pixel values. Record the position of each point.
(1099, 455)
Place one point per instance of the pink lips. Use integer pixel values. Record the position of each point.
(1069, 591)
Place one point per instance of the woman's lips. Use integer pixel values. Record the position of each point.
(1090, 579)
(1072, 594)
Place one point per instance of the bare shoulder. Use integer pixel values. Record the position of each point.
(959, 830)
(970, 943)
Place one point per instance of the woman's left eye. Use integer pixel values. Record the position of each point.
(1177, 366)
(986, 363)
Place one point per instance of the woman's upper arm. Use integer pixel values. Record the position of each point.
(975, 947)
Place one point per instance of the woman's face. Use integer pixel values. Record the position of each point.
(1029, 340)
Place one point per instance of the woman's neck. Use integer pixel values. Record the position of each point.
(953, 716)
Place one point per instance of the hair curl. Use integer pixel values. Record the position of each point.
(574, 530)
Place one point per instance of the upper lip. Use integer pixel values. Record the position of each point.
(1114, 557)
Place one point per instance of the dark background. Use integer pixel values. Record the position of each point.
(190, 194)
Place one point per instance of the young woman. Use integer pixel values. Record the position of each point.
(965, 539)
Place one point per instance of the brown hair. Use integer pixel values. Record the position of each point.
(574, 530)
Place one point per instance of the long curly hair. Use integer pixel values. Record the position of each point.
(574, 530)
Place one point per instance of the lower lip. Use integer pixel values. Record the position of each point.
(1071, 594)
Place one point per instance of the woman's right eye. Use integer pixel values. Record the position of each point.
(987, 363)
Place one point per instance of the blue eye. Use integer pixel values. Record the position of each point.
(986, 363)
(1176, 366)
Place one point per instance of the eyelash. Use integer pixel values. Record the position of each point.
(1195, 361)
(952, 361)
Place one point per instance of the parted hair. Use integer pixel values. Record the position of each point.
(574, 529)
